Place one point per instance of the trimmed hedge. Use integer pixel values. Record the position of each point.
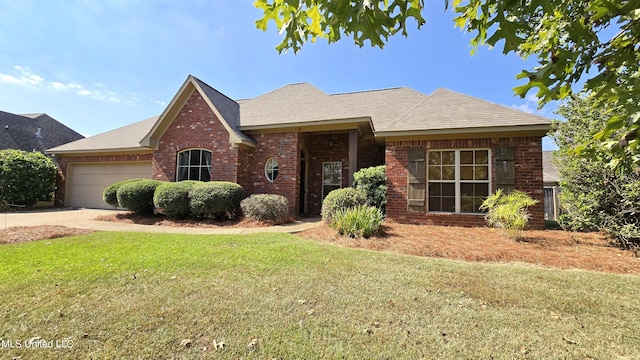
(373, 181)
(137, 196)
(172, 199)
(265, 207)
(340, 199)
(216, 199)
(110, 194)
(25, 177)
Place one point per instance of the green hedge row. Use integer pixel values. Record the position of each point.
(216, 199)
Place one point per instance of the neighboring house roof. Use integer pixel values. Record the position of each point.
(550, 173)
(122, 139)
(389, 112)
(33, 132)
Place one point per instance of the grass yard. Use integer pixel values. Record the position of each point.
(263, 296)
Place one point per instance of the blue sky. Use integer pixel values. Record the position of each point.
(99, 65)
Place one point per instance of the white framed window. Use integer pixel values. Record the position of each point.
(194, 164)
(271, 169)
(331, 176)
(457, 180)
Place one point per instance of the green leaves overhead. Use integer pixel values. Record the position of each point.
(363, 20)
(592, 44)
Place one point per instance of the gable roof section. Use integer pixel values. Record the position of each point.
(123, 139)
(227, 111)
(21, 132)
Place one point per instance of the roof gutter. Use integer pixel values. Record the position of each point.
(100, 151)
(543, 128)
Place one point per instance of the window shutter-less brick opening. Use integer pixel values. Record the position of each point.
(505, 168)
(416, 181)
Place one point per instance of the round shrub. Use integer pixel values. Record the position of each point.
(137, 196)
(373, 181)
(109, 195)
(172, 199)
(25, 177)
(265, 207)
(341, 199)
(216, 199)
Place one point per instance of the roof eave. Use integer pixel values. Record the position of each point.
(143, 149)
(309, 124)
(538, 129)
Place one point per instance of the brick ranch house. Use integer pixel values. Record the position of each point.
(444, 152)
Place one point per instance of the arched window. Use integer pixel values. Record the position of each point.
(271, 169)
(194, 164)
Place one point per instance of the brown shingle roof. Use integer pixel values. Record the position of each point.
(395, 111)
(121, 139)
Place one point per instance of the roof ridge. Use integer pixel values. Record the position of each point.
(211, 87)
(373, 90)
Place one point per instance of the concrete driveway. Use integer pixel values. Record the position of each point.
(86, 219)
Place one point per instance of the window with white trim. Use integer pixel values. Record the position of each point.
(331, 177)
(194, 164)
(271, 169)
(457, 180)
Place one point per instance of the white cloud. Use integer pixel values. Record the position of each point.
(35, 79)
(9, 79)
(61, 86)
(98, 91)
(525, 107)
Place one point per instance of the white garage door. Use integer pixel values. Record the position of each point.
(86, 182)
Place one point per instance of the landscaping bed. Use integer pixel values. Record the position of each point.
(549, 248)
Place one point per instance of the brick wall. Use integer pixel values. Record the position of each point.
(283, 146)
(196, 126)
(63, 160)
(528, 164)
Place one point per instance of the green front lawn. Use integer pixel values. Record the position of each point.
(135, 295)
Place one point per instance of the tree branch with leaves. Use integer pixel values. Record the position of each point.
(592, 44)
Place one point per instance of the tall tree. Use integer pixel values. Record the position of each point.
(594, 195)
(593, 42)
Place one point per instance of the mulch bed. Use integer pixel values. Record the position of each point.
(21, 234)
(548, 248)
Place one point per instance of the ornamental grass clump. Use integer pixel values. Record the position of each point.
(360, 221)
(509, 212)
